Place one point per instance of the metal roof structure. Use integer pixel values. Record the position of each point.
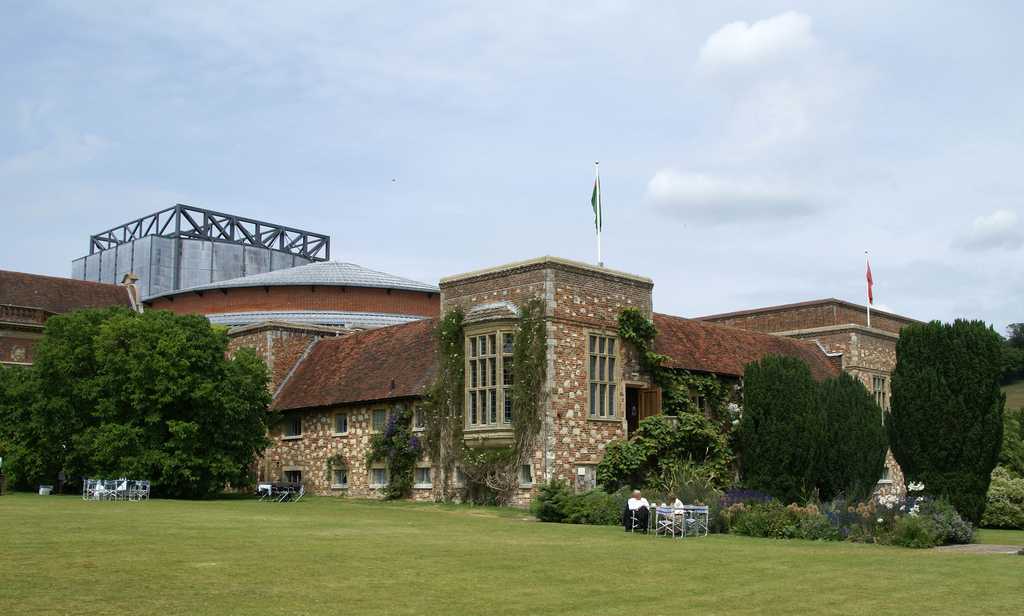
(186, 221)
(321, 273)
(348, 320)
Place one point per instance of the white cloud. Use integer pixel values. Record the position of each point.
(717, 200)
(782, 87)
(994, 231)
(741, 44)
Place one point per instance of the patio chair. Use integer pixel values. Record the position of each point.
(665, 522)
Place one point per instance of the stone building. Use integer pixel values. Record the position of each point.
(343, 388)
(28, 300)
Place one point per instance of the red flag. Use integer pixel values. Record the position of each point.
(871, 296)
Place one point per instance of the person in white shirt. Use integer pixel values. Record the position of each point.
(637, 512)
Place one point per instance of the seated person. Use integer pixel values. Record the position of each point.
(636, 513)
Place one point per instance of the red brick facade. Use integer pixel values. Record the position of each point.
(304, 298)
(28, 300)
(281, 345)
(809, 315)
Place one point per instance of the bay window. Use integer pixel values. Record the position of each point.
(489, 378)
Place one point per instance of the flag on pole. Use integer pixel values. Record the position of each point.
(595, 202)
(871, 283)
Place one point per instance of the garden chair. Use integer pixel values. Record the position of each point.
(665, 519)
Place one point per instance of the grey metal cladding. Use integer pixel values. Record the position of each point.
(349, 320)
(281, 260)
(255, 260)
(162, 265)
(78, 269)
(227, 262)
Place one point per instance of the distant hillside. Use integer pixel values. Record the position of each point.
(1014, 395)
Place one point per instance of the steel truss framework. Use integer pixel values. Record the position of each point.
(186, 221)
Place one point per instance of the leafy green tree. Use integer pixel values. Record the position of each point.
(1015, 335)
(946, 424)
(854, 441)
(20, 459)
(780, 431)
(114, 393)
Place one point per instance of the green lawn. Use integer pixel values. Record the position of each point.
(322, 556)
(999, 536)
(1014, 395)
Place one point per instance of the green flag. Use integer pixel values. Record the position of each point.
(595, 202)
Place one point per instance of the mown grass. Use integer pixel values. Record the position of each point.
(1014, 395)
(60, 555)
(999, 536)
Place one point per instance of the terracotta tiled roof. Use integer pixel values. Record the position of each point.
(709, 347)
(58, 295)
(391, 362)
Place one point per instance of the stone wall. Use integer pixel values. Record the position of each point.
(579, 299)
(309, 453)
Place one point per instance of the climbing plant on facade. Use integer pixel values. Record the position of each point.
(680, 389)
(490, 474)
(399, 449)
(443, 408)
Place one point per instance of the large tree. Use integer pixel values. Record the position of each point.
(153, 396)
(852, 453)
(780, 431)
(946, 424)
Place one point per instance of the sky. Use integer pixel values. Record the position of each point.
(750, 152)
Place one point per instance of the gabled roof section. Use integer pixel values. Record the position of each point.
(380, 364)
(323, 273)
(708, 347)
(58, 295)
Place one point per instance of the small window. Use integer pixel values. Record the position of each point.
(293, 426)
(886, 475)
(602, 377)
(423, 477)
(526, 475)
(460, 477)
(419, 419)
(380, 420)
(878, 389)
(378, 477)
(341, 423)
(340, 478)
(293, 476)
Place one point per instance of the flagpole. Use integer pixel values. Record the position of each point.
(600, 212)
(867, 260)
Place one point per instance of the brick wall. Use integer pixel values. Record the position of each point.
(18, 347)
(258, 299)
(279, 345)
(826, 313)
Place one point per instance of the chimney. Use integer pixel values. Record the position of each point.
(128, 282)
